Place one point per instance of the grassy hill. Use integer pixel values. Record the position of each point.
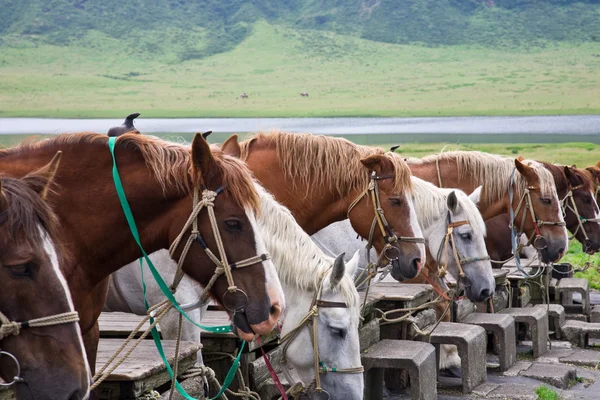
(176, 58)
(344, 75)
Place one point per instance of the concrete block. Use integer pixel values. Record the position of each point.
(554, 374)
(502, 326)
(537, 320)
(471, 342)
(556, 317)
(579, 332)
(461, 308)
(418, 358)
(574, 285)
(595, 314)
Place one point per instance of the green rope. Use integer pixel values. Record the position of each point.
(163, 286)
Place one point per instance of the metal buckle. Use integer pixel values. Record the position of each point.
(320, 395)
(17, 377)
(237, 301)
(388, 249)
(540, 243)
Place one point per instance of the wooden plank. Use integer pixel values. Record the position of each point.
(144, 361)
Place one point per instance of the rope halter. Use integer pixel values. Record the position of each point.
(234, 299)
(390, 252)
(449, 241)
(568, 204)
(539, 241)
(310, 320)
(13, 328)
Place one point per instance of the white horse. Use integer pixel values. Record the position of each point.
(300, 265)
(433, 206)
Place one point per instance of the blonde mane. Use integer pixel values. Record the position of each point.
(299, 261)
(169, 162)
(317, 160)
(431, 205)
(493, 172)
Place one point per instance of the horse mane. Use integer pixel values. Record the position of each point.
(27, 212)
(560, 179)
(169, 162)
(431, 205)
(486, 168)
(318, 160)
(298, 260)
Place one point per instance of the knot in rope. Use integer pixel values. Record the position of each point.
(208, 198)
(8, 328)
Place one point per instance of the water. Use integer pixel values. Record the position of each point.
(537, 129)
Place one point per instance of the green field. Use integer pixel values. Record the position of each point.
(344, 76)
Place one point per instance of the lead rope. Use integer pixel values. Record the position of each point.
(13, 328)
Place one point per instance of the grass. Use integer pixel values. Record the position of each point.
(545, 393)
(344, 76)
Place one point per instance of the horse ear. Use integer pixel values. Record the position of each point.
(476, 195)
(232, 147)
(572, 177)
(523, 169)
(206, 134)
(452, 201)
(394, 148)
(374, 163)
(202, 159)
(3, 200)
(352, 265)
(338, 271)
(41, 179)
(520, 158)
(595, 171)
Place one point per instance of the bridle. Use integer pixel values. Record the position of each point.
(568, 204)
(390, 252)
(237, 301)
(539, 241)
(13, 328)
(310, 320)
(449, 241)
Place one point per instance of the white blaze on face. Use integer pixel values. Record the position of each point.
(272, 283)
(52, 255)
(416, 227)
(597, 208)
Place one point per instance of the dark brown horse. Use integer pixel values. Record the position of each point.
(51, 358)
(569, 181)
(531, 183)
(159, 179)
(324, 179)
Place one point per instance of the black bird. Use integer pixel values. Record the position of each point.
(126, 127)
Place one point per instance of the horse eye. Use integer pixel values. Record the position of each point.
(587, 199)
(466, 236)
(25, 270)
(339, 332)
(233, 224)
(546, 200)
(395, 201)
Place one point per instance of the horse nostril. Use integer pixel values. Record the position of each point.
(561, 251)
(416, 262)
(485, 294)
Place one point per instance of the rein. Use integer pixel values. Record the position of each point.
(310, 320)
(13, 328)
(580, 220)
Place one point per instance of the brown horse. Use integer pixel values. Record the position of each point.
(51, 358)
(324, 179)
(532, 185)
(594, 173)
(569, 181)
(159, 179)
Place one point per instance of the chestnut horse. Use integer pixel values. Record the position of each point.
(160, 179)
(535, 201)
(39, 333)
(576, 189)
(323, 179)
(594, 173)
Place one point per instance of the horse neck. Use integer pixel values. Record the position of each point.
(313, 208)
(96, 235)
